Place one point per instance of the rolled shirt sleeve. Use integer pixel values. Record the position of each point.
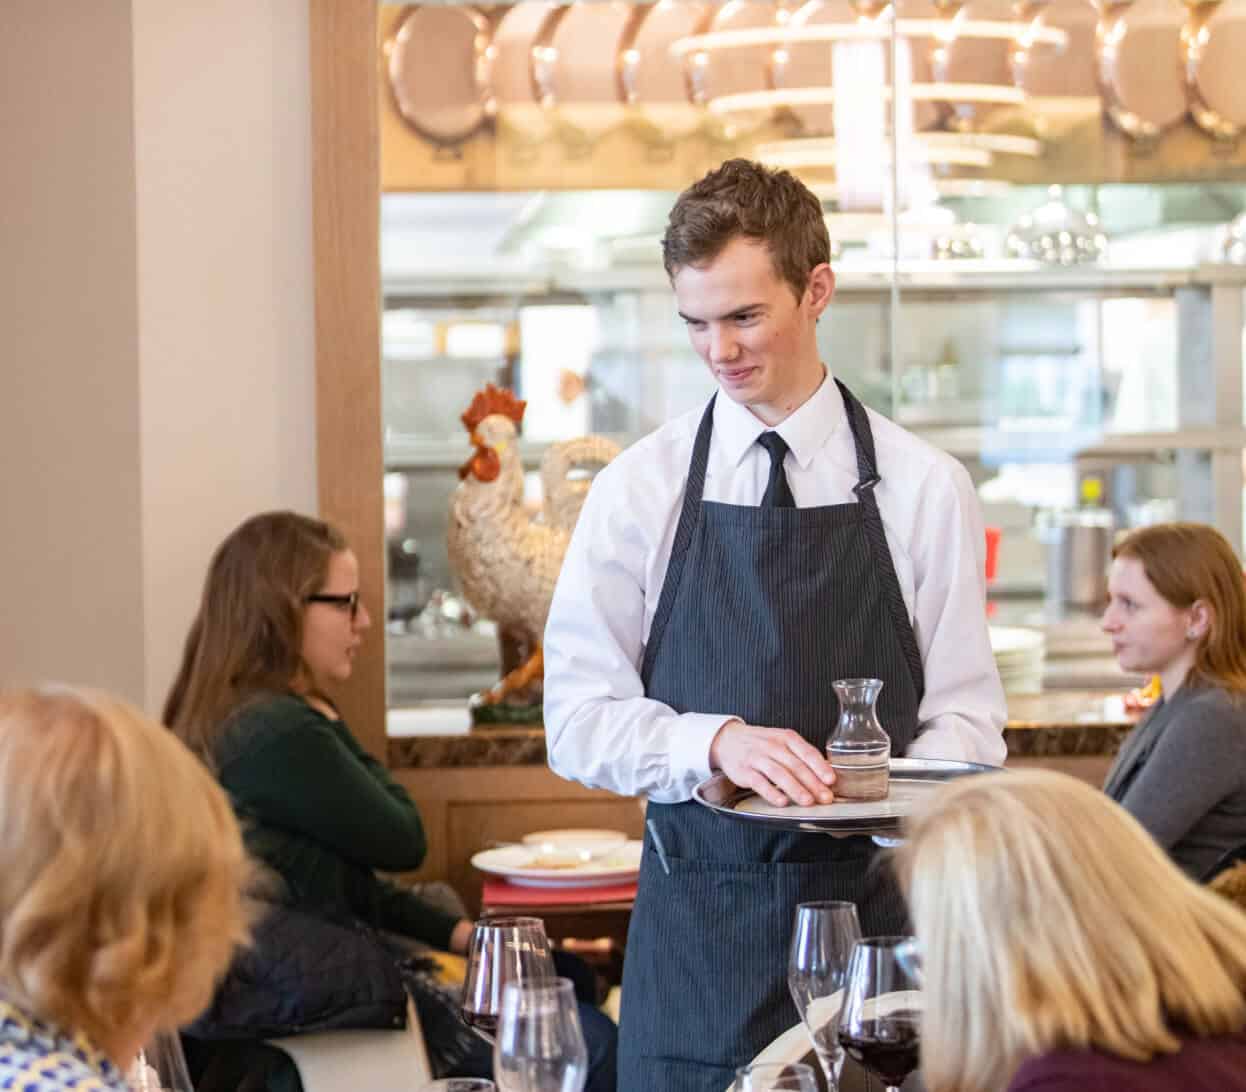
(962, 713)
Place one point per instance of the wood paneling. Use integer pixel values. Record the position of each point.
(466, 810)
(346, 239)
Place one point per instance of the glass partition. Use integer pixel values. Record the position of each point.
(1056, 298)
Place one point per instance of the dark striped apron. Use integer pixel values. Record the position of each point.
(761, 610)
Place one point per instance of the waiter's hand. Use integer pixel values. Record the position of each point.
(776, 763)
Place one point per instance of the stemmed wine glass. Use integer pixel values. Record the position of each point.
(540, 1045)
(880, 1025)
(771, 1077)
(822, 943)
(160, 1066)
(502, 950)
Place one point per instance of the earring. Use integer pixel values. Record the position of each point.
(1191, 634)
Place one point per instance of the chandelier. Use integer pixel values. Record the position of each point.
(869, 90)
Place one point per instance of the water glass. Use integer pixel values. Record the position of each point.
(822, 943)
(540, 1045)
(772, 1077)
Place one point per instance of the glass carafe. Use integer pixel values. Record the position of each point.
(859, 749)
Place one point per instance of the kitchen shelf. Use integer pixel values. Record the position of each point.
(851, 279)
(973, 440)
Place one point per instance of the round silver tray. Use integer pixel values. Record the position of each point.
(912, 779)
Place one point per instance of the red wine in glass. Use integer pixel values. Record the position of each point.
(880, 1023)
(484, 1024)
(888, 1047)
(502, 950)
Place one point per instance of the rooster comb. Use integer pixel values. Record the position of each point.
(493, 400)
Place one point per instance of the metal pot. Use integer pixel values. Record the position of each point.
(1079, 550)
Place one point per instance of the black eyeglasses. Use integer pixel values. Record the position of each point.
(349, 601)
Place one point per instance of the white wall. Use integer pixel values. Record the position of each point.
(156, 367)
(223, 151)
(71, 588)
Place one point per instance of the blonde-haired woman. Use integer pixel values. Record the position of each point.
(1177, 609)
(1064, 951)
(121, 878)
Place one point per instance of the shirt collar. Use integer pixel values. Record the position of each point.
(805, 431)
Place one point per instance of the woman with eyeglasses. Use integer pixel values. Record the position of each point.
(279, 624)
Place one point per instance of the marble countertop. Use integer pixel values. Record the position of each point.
(1059, 723)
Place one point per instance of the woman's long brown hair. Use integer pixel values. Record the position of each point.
(1186, 562)
(247, 636)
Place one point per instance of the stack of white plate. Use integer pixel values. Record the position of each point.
(1019, 656)
(565, 858)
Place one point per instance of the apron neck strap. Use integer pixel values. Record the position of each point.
(695, 489)
(863, 441)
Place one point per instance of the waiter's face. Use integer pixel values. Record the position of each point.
(748, 326)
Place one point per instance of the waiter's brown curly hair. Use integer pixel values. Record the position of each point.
(743, 198)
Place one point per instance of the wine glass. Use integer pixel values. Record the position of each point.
(502, 950)
(540, 1046)
(772, 1077)
(822, 943)
(880, 1025)
(160, 1066)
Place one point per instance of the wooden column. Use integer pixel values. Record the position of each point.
(346, 239)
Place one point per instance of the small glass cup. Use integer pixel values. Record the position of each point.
(859, 749)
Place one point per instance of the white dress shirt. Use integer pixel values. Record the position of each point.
(600, 728)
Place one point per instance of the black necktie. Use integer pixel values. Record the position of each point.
(778, 492)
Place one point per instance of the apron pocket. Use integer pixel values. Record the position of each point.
(706, 968)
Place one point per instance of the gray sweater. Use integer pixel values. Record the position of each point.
(1182, 774)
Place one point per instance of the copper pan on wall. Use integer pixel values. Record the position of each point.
(575, 61)
(755, 68)
(657, 89)
(1048, 72)
(969, 61)
(1137, 54)
(438, 62)
(812, 64)
(521, 117)
(1212, 48)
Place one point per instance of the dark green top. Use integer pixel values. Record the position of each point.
(325, 815)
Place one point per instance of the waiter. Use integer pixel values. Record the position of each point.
(724, 572)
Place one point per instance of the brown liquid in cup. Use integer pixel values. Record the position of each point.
(860, 777)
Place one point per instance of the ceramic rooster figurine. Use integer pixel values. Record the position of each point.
(506, 561)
